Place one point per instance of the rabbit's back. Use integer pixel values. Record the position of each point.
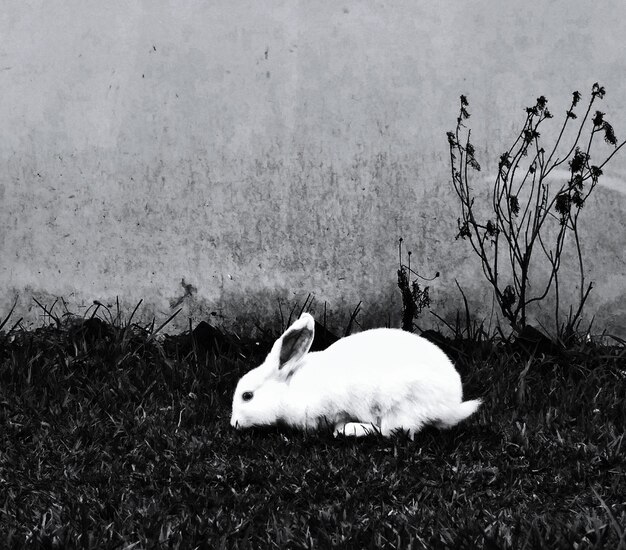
(384, 360)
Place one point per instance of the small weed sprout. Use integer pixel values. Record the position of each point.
(414, 297)
(529, 212)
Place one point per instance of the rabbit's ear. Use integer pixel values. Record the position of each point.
(296, 342)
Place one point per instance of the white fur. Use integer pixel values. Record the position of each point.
(380, 380)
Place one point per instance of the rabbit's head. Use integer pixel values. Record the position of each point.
(259, 396)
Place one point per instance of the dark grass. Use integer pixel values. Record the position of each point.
(118, 439)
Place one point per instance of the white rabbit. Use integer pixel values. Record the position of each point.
(377, 380)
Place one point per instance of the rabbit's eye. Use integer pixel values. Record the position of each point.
(247, 395)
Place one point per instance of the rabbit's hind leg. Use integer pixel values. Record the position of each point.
(401, 422)
(355, 429)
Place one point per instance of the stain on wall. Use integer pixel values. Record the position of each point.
(260, 151)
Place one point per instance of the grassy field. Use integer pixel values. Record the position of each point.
(112, 436)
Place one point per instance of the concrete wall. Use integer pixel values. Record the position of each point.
(262, 150)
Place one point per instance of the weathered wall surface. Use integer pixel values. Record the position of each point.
(264, 150)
